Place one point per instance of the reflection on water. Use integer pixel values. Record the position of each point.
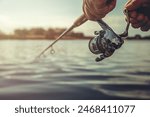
(72, 73)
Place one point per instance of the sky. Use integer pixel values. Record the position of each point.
(56, 13)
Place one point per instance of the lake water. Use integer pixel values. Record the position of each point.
(72, 73)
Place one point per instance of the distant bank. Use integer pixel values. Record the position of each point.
(139, 37)
(51, 34)
(42, 34)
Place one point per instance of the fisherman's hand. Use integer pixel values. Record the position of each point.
(139, 13)
(97, 9)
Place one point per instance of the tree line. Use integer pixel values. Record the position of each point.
(41, 33)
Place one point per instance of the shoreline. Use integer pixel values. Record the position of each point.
(23, 39)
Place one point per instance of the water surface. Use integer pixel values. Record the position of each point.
(72, 73)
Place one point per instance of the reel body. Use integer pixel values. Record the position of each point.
(105, 43)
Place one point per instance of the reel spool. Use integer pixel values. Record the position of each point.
(105, 43)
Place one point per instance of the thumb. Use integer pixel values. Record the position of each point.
(133, 4)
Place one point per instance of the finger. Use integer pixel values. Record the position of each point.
(146, 27)
(139, 24)
(134, 17)
(98, 3)
(98, 17)
(89, 4)
(112, 5)
(135, 25)
(133, 14)
(140, 17)
(101, 11)
(89, 10)
(88, 13)
(146, 19)
(133, 21)
(133, 4)
(128, 2)
(105, 9)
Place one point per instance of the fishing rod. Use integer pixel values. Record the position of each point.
(79, 21)
(82, 19)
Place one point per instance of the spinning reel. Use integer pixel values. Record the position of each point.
(106, 42)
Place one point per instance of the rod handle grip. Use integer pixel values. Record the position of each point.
(82, 19)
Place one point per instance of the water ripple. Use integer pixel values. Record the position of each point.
(72, 73)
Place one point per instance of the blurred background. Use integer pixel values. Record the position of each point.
(29, 26)
(27, 14)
